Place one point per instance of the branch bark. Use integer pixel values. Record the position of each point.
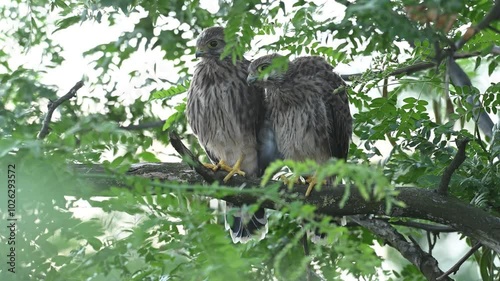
(420, 203)
(407, 70)
(455, 267)
(460, 78)
(431, 228)
(455, 163)
(44, 131)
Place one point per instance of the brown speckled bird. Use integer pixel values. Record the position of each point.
(225, 114)
(307, 108)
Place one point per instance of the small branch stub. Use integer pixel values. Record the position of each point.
(44, 131)
(455, 163)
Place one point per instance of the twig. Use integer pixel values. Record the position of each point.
(144, 126)
(455, 267)
(455, 163)
(430, 242)
(411, 251)
(419, 66)
(305, 245)
(413, 240)
(404, 70)
(434, 228)
(479, 139)
(493, 15)
(190, 159)
(44, 131)
(494, 29)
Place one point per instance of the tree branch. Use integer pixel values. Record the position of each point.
(455, 267)
(407, 70)
(430, 242)
(434, 228)
(493, 15)
(44, 131)
(455, 163)
(460, 79)
(411, 251)
(420, 203)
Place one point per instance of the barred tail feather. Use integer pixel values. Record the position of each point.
(245, 226)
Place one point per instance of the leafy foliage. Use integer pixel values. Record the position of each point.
(405, 129)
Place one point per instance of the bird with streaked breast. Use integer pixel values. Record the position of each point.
(307, 108)
(225, 114)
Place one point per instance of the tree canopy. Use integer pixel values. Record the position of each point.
(86, 198)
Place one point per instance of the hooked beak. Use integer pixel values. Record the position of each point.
(199, 54)
(251, 79)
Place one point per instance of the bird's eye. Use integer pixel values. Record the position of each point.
(213, 44)
(262, 67)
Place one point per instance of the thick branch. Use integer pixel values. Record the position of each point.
(420, 203)
(44, 131)
(411, 251)
(455, 163)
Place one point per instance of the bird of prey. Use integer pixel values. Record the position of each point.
(225, 114)
(307, 106)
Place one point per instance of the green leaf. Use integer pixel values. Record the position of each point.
(485, 265)
(491, 67)
(67, 22)
(7, 145)
(169, 93)
(410, 100)
(170, 120)
(95, 243)
(148, 157)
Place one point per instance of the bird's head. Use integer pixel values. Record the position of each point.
(267, 71)
(210, 43)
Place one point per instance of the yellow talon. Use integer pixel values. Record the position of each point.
(235, 169)
(221, 165)
(224, 166)
(287, 181)
(284, 179)
(312, 182)
(213, 167)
